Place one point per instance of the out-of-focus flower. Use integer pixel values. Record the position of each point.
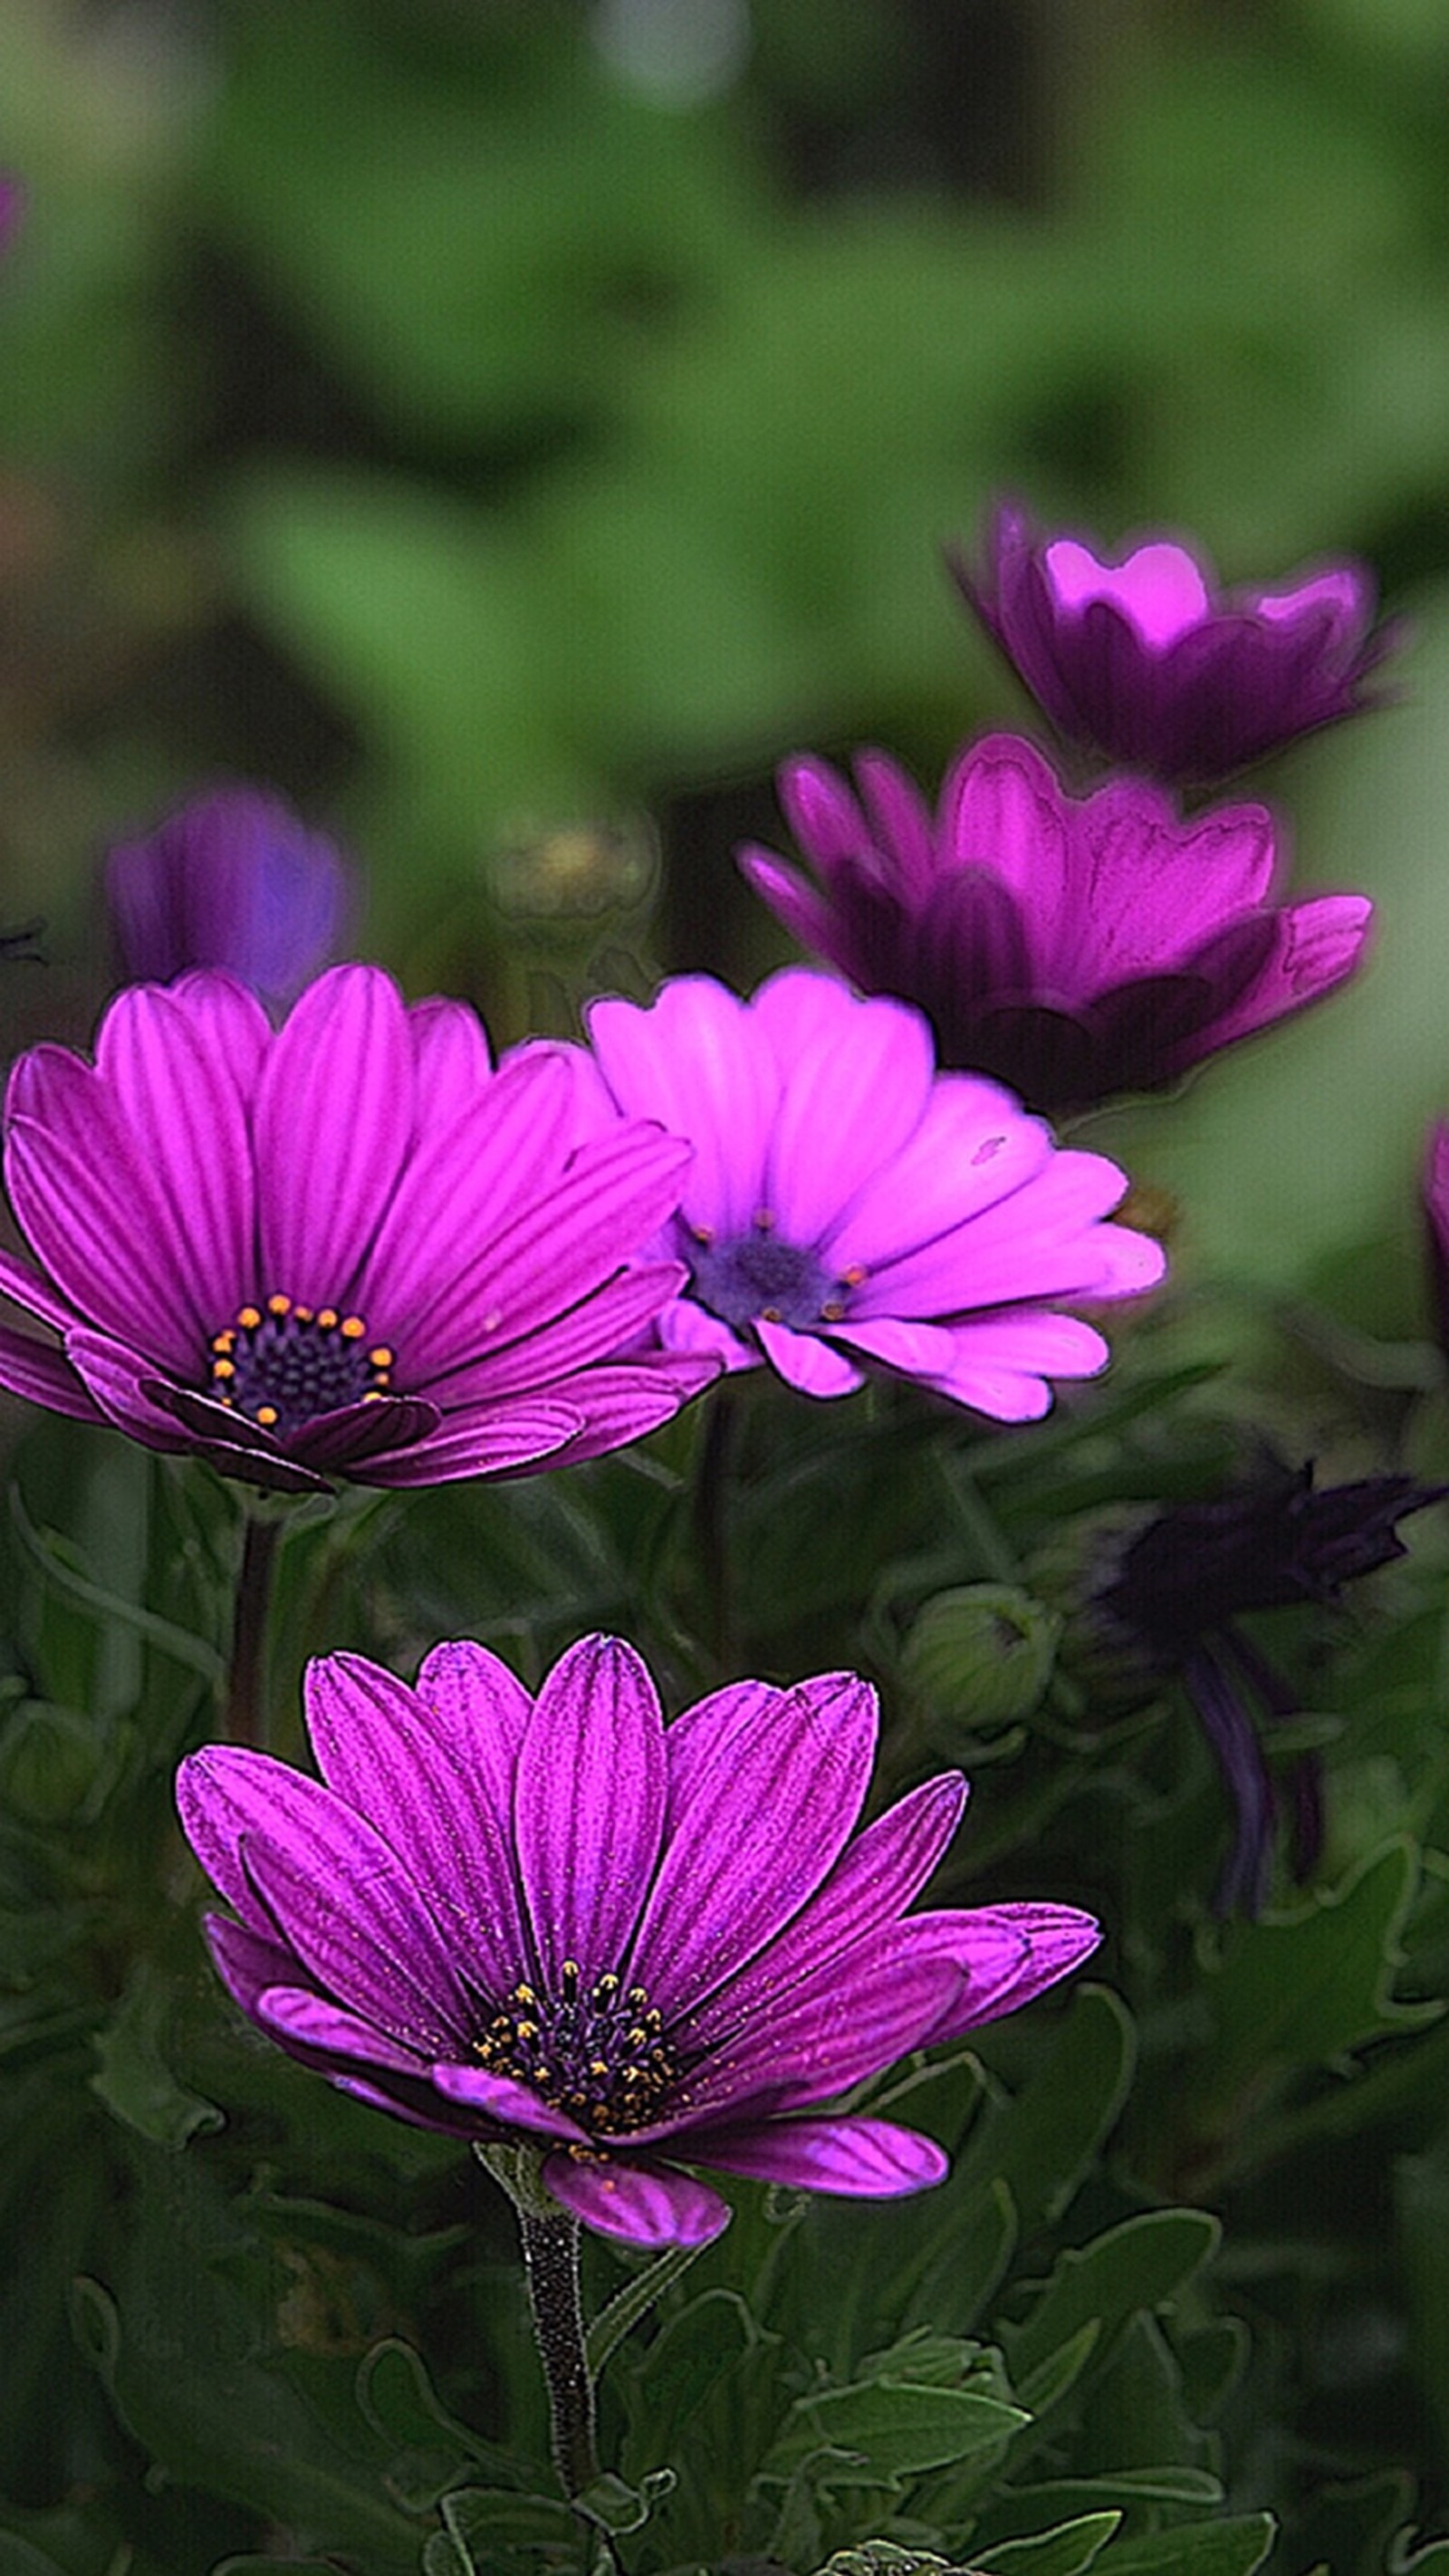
(1147, 661)
(236, 880)
(847, 1204)
(346, 1248)
(12, 207)
(1177, 1596)
(1436, 1210)
(636, 1947)
(1076, 948)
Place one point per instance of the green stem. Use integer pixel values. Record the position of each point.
(711, 1514)
(246, 1672)
(550, 2240)
(551, 2267)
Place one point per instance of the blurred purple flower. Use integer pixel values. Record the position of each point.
(1436, 1210)
(12, 207)
(235, 879)
(558, 1922)
(1146, 661)
(343, 1248)
(1176, 1598)
(847, 1204)
(1074, 948)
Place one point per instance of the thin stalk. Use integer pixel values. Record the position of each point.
(550, 2240)
(246, 1671)
(551, 2268)
(711, 1514)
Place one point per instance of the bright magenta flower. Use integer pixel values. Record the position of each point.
(848, 1205)
(1076, 948)
(346, 1247)
(1147, 662)
(636, 1947)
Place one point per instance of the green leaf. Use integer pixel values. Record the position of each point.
(1134, 2414)
(685, 2364)
(1138, 2264)
(1232, 2548)
(634, 2302)
(133, 2079)
(899, 2429)
(1068, 2551)
(617, 2507)
(1306, 1990)
(1043, 2142)
(480, 2523)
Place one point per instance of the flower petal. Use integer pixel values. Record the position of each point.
(589, 1806)
(807, 1363)
(1058, 1939)
(296, 1861)
(497, 2097)
(479, 1440)
(648, 2206)
(333, 1122)
(379, 1748)
(44, 1376)
(187, 1123)
(824, 2035)
(872, 2158)
(307, 2020)
(466, 1176)
(691, 1062)
(855, 1079)
(876, 1877)
(763, 1824)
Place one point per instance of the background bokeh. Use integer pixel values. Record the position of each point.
(510, 425)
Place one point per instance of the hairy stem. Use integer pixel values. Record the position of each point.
(551, 2267)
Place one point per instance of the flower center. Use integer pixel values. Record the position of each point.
(282, 1364)
(755, 1277)
(598, 2053)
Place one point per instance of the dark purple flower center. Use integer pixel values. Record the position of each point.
(755, 1276)
(598, 2053)
(282, 1364)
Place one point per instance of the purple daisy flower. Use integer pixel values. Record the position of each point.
(1179, 1592)
(1075, 948)
(848, 1204)
(559, 1922)
(1146, 661)
(235, 879)
(346, 1247)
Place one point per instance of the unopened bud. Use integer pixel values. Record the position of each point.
(980, 1655)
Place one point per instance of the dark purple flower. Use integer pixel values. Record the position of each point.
(1187, 1579)
(1436, 1210)
(636, 1947)
(234, 880)
(1146, 661)
(847, 1204)
(1074, 948)
(346, 1247)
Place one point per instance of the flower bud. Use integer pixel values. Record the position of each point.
(980, 1655)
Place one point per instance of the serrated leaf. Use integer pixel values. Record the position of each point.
(1042, 2142)
(1138, 2264)
(133, 2078)
(1307, 1990)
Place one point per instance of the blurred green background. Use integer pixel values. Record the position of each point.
(509, 426)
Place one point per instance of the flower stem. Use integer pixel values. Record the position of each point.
(245, 1673)
(711, 1512)
(550, 2240)
(551, 2267)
